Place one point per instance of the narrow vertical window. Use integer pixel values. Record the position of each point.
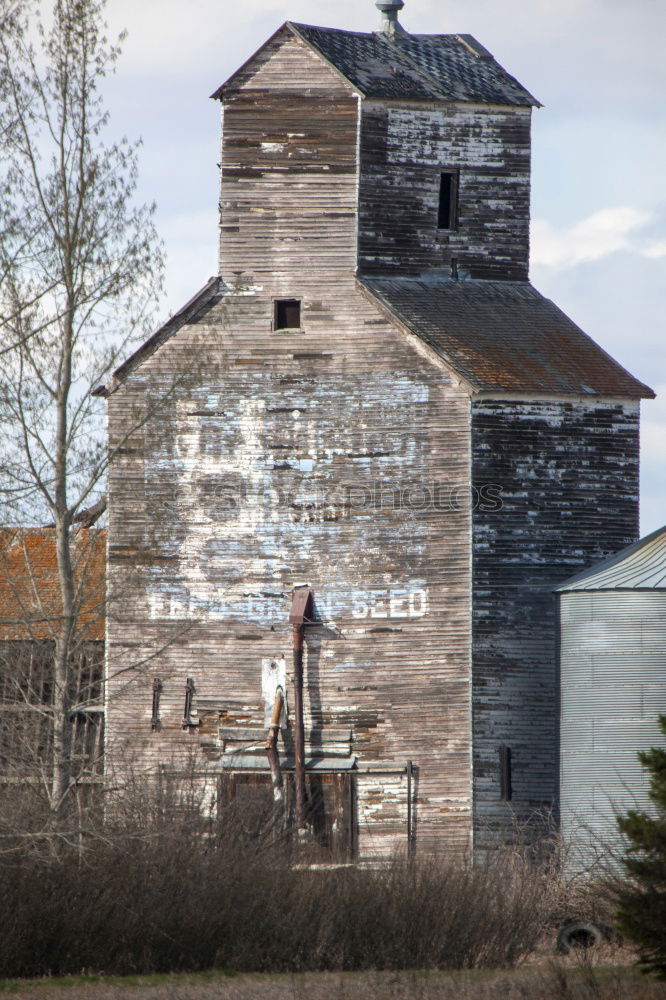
(156, 723)
(287, 314)
(190, 691)
(447, 216)
(506, 790)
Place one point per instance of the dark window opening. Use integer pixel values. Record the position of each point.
(156, 722)
(447, 217)
(27, 684)
(506, 790)
(287, 314)
(330, 809)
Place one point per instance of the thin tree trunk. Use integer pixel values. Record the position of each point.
(62, 720)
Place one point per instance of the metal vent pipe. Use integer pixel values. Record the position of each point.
(389, 11)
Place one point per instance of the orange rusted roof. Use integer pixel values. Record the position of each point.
(30, 602)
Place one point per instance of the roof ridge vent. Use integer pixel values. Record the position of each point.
(389, 11)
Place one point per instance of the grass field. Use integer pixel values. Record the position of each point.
(550, 980)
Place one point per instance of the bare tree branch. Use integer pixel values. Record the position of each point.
(80, 271)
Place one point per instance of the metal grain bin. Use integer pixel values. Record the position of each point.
(613, 687)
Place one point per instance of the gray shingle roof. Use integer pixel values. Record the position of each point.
(641, 566)
(411, 67)
(504, 335)
(422, 67)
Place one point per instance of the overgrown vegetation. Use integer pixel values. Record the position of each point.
(161, 888)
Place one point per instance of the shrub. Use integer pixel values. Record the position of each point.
(160, 888)
(642, 899)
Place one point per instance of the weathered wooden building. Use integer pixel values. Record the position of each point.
(371, 400)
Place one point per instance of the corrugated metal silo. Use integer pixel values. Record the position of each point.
(613, 687)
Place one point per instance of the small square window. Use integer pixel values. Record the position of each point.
(447, 215)
(287, 314)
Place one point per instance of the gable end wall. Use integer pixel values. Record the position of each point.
(284, 458)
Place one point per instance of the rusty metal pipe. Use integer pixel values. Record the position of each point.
(301, 614)
(410, 818)
(299, 728)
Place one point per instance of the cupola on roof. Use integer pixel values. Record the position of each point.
(389, 11)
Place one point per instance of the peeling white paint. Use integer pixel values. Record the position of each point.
(241, 525)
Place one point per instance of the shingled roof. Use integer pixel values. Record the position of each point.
(30, 602)
(497, 335)
(504, 336)
(410, 67)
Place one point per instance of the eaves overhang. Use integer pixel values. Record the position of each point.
(503, 337)
(206, 296)
(640, 566)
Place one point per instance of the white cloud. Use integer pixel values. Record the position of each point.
(656, 250)
(600, 234)
(166, 37)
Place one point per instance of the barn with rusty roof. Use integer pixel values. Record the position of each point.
(349, 472)
(30, 615)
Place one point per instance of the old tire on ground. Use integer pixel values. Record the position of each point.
(579, 934)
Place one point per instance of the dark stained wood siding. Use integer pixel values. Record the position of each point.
(404, 149)
(284, 458)
(568, 477)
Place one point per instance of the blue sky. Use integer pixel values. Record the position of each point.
(599, 149)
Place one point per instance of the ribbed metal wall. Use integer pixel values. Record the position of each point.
(613, 687)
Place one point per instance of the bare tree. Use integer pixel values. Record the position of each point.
(80, 270)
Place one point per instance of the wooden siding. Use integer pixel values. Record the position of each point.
(567, 474)
(286, 62)
(294, 192)
(403, 153)
(282, 458)
(288, 188)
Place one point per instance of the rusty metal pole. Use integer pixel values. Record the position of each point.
(299, 729)
(301, 614)
(410, 818)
